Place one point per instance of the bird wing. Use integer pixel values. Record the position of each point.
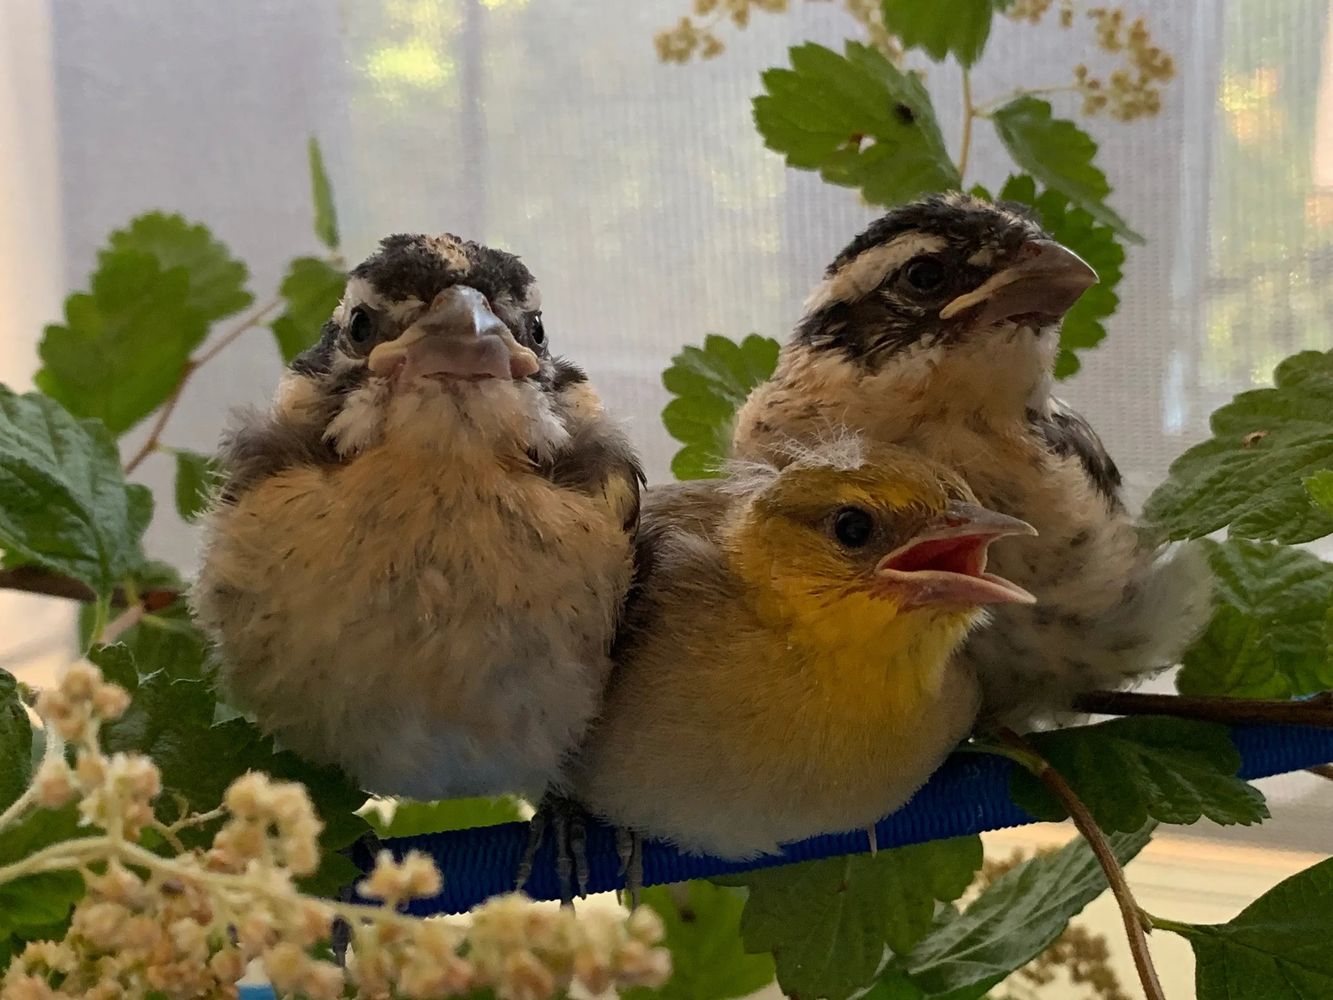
(1068, 434)
(675, 551)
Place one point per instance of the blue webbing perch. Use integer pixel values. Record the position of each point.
(969, 794)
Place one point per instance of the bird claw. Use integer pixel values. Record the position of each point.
(362, 852)
(629, 848)
(568, 819)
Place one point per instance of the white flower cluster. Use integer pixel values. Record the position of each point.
(188, 924)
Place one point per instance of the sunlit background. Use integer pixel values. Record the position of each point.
(642, 198)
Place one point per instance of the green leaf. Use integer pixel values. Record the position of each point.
(116, 662)
(1320, 488)
(827, 922)
(961, 31)
(1077, 229)
(64, 503)
(15, 742)
(1267, 636)
(858, 120)
(411, 819)
(171, 718)
(1013, 921)
(38, 900)
(311, 290)
(124, 345)
(39, 828)
(196, 476)
(1275, 947)
(1249, 477)
(703, 935)
(326, 218)
(216, 278)
(709, 384)
(1127, 770)
(1059, 154)
(165, 640)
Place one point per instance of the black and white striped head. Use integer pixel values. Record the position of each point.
(942, 271)
(413, 283)
(432, 333)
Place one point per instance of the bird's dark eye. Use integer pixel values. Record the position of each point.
(853, 527)
(538, 330)
(924, 274)
(360, 328)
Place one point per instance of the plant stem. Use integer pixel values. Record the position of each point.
(1316, 711)
(1134, 918)
(54, 750)
(191, 366)
(119, 625)
(969, 112)
(1161, 923)
(35, 580)
(74, 854)
(985, 110)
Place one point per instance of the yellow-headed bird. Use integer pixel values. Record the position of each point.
(786, 666)
(937, 329)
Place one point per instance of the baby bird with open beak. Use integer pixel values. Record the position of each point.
(786, 667)
(419, 556)
(936, 329)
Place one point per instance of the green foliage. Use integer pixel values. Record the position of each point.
(1320, 488)
(171, 719)
(311, 290)
(15, 742)
(1008, 925)
(411, 819)
(30, 906)
(125, 343)
(1127, 770)
(1075, 227)
(703, 933)
(1275, 947)
(216, 287)
(326, 217)
(827, 922)
(1060, 155)
(1267, 637)
(858, 120)
(1250, 476)
(962, 33)
(709, 384)
(196, 477)
(64, 503)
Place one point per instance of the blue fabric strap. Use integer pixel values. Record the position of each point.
(969, 794)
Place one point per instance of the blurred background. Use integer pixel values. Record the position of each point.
(642, 198)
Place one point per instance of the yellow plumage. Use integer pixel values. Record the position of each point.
(774, 682)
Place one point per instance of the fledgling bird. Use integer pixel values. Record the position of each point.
(937, 329)
(786, 664)
(419, 555)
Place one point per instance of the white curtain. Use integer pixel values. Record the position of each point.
(638, 192)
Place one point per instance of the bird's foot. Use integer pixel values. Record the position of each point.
(873, 837)
(568, 820)
(629, 848)
(362, 852)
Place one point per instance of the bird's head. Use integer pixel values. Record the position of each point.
(431, 331)
(948, 271)
(851, 538)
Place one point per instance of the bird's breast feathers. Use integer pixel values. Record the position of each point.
(463, 597)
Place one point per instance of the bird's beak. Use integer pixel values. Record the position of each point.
(457, 337)
(945, 564)
(1045, 282)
